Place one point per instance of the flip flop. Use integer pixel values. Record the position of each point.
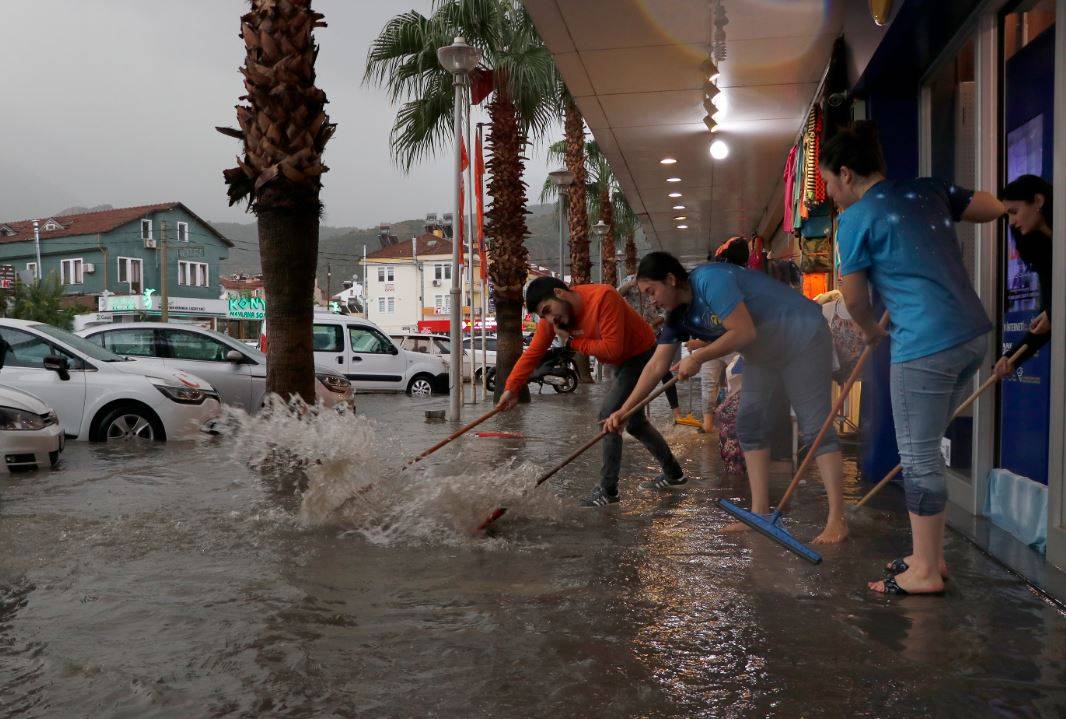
(892, 588)
(899, 566)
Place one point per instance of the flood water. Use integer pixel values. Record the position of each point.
(177, 581)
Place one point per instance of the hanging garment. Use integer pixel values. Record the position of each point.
(757, 255)
(813, 184)
(799, 211)
(790, 181)
(816, 245)
(815, 284)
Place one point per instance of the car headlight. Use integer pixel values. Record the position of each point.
(334, 382)
(13, 419)
(180, 393)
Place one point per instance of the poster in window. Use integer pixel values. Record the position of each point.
(1025, 155)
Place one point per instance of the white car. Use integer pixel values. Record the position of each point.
(365, 354)
(101, 396)
(30, 434)
(490, 350)
(234, 369)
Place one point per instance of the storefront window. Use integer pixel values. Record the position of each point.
(951, 112)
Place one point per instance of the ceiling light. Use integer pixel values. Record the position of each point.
(673, 179)
(721, 101)
(707, 67)
(718, 117)
(667, 161)
(674, 194)
(709, 106)
(678, 207)
(682, 227)
(710, 123)
(679, 218)
(713, 79)
(719, 150)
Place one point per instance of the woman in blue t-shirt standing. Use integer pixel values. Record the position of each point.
(784, 341)
(899, 236)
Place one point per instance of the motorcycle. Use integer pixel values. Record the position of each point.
(557, 369)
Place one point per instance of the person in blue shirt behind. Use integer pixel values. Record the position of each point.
(899, 237)
(782, 337)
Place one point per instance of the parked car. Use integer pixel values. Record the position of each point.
(30, 434)
(424, 343)
(99, 395)
(365, 354)
(490, 352)
(235, 370)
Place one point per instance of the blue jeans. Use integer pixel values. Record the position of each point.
(807, 377)
(925, 393)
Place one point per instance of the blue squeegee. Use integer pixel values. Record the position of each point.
(769, 524)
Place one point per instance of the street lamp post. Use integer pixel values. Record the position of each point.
(562, 180)
(600, 228)
(459, 59)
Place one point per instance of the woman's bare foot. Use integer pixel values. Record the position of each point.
(912, 583)
(835, 531)
(910, 558)
(736, 527)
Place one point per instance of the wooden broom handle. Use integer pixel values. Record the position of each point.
(455, 435)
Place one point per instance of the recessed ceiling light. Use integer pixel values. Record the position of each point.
(678, 207)
(674, 194)
(682, 227)
(667, 161)
(673, 179)
(680, 217)
(721, 101)
(719, 150)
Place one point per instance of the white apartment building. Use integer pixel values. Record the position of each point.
(408, 285)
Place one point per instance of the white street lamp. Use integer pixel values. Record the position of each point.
(600, 228)
(562, 180)
(459, 59)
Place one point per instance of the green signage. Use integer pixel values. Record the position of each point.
(247, 308)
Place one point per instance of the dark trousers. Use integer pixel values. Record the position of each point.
(625, 379)
(671, 391)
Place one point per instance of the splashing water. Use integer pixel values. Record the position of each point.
(347, 471)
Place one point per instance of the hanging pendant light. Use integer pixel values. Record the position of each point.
(880, 10)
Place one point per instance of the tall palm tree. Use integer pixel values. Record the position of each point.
(403, 58)
(602, 187)
(574, 139)
(625, 223)
(283, 128)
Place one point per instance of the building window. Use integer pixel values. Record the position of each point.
(392, 305)
(386, 274)
(146, 229)
(442, 272)
(193, 274)
(31, 267)
(381, 305)
(183, 232)
(73, 272)
(52, 226)
(131, 273)
(442, 303)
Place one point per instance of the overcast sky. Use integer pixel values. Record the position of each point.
(115, 102)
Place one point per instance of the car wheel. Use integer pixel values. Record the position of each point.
(129, 422)
(490, 379)
(420, 386)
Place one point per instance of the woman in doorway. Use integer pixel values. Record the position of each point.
(899, 237)
(1028, 203)
(782, 337)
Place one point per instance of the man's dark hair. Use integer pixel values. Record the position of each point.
(857, 148)
(657, 265)
(540, 289)
(1025, 189)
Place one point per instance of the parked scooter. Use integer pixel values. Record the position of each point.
(557, 369)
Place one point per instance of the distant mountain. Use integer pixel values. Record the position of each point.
(341, 248)
(83, 210)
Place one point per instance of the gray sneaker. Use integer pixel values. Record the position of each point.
(598, 498)
(662, 483)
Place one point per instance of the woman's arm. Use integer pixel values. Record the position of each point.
(984, 207)
(653, 374)
(739, 333)
(856, 291)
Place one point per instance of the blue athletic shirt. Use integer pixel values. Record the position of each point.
(903, 233)
(785, 320)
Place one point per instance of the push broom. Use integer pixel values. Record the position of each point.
(770, 525)
(499, 511)
(961, 408)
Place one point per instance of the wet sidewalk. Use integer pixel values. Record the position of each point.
(174, 581)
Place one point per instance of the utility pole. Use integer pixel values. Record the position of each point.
(164, 294)
(37, 244)
(329, 284)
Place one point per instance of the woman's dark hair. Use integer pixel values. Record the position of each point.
(856, 148)
(1025, 189)
(734, 251)
(657, 265)
(540, 289)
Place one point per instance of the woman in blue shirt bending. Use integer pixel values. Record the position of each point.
(899, 236)
(784, 340)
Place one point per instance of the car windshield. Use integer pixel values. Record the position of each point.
(86, 347)
(226, 340)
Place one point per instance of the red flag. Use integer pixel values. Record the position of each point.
(479, 195)
(464, 163)
(481, 82)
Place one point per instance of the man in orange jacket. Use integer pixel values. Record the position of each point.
(597, 322)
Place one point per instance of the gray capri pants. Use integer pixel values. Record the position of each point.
(807, 378)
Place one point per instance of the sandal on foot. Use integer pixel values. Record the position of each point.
(892, 588)
(899, 566)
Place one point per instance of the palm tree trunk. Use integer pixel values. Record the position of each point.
(505, 224)
(631, 255)
(580, 267)
(289, 273)
(610, 266)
